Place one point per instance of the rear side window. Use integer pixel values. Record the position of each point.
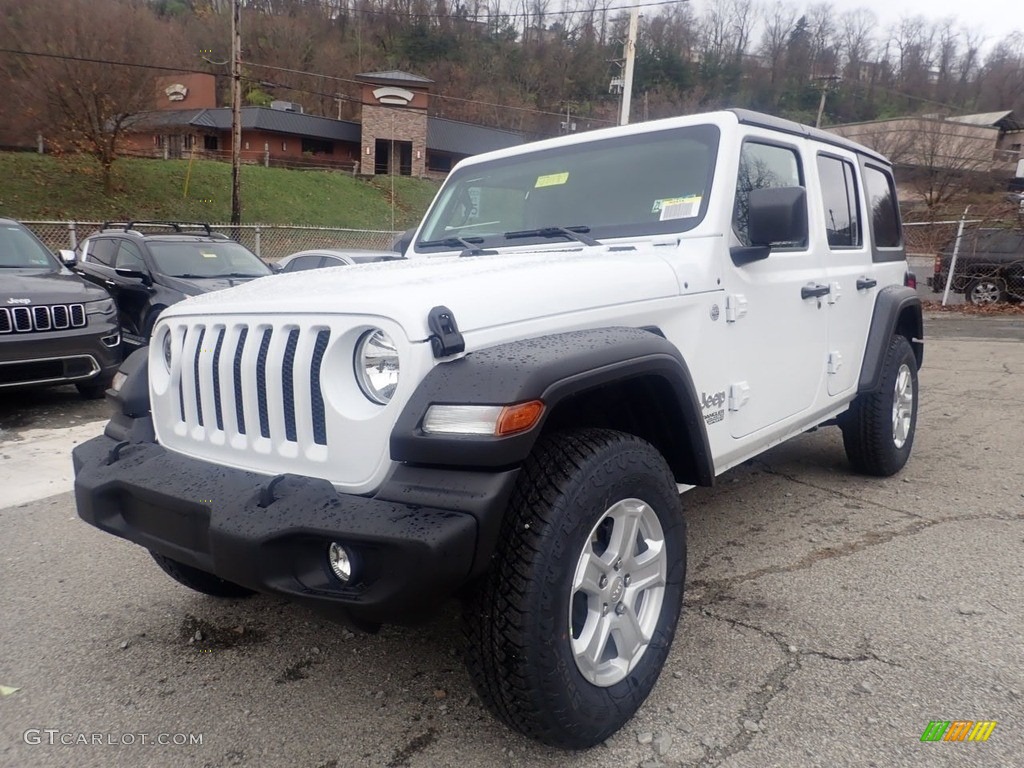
(101, 251)
(763, 166)
(839, 201)
(305, 262)
(885, 215)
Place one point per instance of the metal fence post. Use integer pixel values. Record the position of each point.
(956, 252)
(73, 235)
(258, 241)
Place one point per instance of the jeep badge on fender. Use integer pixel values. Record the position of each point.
(582, 328)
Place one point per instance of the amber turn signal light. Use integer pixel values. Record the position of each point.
(518, 418)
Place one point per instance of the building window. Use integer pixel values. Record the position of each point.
(190, 141)
(247, 145)
(210, 143)
(317, 147)
(284, 146)
(438, 162)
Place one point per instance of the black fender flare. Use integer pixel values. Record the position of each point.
(553, 369)
(897, 311)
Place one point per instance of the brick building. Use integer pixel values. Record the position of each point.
(395, 133)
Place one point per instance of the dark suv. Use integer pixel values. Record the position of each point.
(146, 272)
(55, 328)
(989, 266)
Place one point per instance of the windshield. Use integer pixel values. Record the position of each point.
(20, 249)
(641, 184)
(220, 259)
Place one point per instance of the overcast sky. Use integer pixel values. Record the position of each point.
(995, 19)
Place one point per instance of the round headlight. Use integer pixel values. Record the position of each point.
(376, 364)
(167, 350)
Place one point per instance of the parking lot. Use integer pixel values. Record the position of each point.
(829, 617)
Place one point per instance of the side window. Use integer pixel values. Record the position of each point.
(101, 251)
(763, 166)
(839, 202)
(885, 215)
(129, 256)
(306, 262)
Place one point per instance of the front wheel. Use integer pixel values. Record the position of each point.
(569, 629)
(986, 290)
(198, 580)
(878, 430)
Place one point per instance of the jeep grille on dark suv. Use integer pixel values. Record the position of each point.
(55, 317)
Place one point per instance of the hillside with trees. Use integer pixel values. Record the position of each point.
(65, 64)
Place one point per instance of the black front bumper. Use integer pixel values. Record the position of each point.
(272, 535)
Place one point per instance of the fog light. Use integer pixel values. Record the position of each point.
(340, 561)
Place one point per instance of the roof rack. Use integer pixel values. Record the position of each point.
(177, 226)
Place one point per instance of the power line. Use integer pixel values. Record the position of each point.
(87, 60)
(348, 80)
(479, 17)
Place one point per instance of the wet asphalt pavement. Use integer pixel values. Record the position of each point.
(829, 617)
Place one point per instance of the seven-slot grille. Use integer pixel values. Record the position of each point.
(55, 317)
(284, 400)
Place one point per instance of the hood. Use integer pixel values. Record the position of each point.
(194, 286)
(481, 291)
(46, 287)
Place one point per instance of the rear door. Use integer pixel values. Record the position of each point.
(848, 267)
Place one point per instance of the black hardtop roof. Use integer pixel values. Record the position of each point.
(761, 120)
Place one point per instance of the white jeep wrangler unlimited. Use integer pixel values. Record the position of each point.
(584, 328)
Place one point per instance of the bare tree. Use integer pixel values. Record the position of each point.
(72, 96)
(941, 159)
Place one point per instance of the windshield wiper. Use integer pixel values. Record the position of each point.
(452, 242)
(469, 243)
(241, 274)
(573, 233)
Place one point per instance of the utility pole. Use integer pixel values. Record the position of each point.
(236, 113)
(627, 89)
(826, 83)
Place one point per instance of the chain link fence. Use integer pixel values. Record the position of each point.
(268, 241)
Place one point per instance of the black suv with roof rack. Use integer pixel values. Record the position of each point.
(149, 265)
(55, 328)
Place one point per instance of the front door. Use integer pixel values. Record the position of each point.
(776, 337)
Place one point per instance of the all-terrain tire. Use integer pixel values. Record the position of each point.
(524, 616)
(878, 430)
(198, 580)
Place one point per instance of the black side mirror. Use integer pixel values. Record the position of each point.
(135, 273)
(775, 215)
(274, 266)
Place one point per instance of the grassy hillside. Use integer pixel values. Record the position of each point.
(44, 187)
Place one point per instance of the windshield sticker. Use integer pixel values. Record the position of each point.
(677, 207)
(551, 180)
(208, 255)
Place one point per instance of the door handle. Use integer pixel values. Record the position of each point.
(814, 291)
(111, 283)
(863, 283)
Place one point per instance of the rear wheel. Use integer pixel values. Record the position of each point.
(878, 430)
(985, 290)
(569, 629)
(198, 580)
